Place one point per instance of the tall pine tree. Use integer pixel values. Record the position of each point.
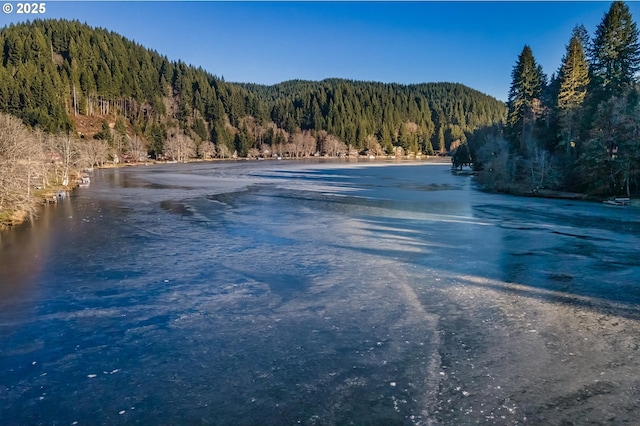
(615, 53)
(527, 84)
(573, 81)
(611, 150)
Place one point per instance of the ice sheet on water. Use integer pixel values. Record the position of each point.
(304, 296)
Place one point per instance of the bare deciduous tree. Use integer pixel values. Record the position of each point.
(265, 150)
(21, 160)
(333, 146)
(538, 164)
(65, 156)
(207, 150)
(137, 148)
(373, 146)
(179, 147)
(223, 151)
(253, 153)
(93, 152)
(309, 143)
(302, 144)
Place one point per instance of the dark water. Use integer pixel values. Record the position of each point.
(285, 293)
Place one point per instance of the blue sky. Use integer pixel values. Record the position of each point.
(474, 43)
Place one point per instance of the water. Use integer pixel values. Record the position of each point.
(319, 293)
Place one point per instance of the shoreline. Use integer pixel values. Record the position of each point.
(549, 194)
(12, 219)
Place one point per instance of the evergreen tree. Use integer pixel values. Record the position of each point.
(157, 135)
(609, 160)
(615, 53)
(581, 32)
(242, 141)
(120, 126)
(528, 82)
(610, 163)
(440, 140)
(573, 80)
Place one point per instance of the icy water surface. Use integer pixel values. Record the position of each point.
(318, 293)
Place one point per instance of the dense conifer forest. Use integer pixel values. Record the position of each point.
(577, 130)
(419, 118)
(54, 71)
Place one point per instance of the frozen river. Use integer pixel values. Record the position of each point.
(281, 293)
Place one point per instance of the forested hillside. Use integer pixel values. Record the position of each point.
(56, 71)
(420, 118)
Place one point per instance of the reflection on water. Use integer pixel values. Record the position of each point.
(319, 293)
(23, 250)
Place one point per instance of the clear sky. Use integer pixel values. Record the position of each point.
(474, 43)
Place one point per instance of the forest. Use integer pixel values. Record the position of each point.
(577, 130)
(54, 71)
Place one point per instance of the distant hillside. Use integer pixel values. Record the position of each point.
(63, 75)
(353, 109)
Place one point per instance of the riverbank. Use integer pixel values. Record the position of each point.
(566, 195)
(17, 217)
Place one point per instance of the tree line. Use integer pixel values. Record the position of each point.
(578, 130)
(424, 118)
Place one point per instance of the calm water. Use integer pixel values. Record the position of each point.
(317, 293)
